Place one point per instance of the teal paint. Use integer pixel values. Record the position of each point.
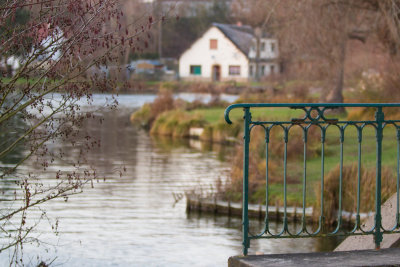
(314, 116)
(245, 218)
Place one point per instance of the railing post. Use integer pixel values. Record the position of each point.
(378, 235)
(322, 217)
(320, 121)
(245, 218)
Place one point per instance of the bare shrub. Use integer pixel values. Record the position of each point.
(148, 113)
(64, 50)
(349, 189)
(163, 102)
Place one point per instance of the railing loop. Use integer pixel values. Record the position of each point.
(314, 115)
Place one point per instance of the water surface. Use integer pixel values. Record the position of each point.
(134, 219)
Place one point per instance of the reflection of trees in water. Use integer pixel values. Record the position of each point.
(168, 143)
(10, 131)
(112, 143)
(123, 145)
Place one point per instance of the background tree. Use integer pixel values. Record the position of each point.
(315, 36)
(14, 23)
(63, 46)
(190, 23)
(317, 33)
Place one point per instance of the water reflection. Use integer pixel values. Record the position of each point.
(166, 143)
(10, 130)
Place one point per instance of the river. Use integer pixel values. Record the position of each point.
(134, 219)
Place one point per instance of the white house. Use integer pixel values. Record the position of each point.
(227, 52)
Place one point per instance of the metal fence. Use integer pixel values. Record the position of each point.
(315, 116)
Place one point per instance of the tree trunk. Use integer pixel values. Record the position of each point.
(336, 96)
(160, 40)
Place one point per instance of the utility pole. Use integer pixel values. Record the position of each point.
(160, 39)
(258, 33)
(157, 12)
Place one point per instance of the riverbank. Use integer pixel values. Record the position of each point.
(258, 211)
(205, 121)
(177, 119)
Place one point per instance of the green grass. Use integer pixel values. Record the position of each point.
(332, 154)
(210, 115)
(216, 114)
(350, 152)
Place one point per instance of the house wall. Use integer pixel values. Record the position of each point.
(225, 55)
(267, 51)
(266, 69)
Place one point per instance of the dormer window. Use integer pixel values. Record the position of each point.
(213, 44)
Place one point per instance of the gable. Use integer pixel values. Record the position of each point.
(212, 33)
(240, 36)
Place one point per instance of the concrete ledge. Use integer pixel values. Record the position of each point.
(382, 257)
(389, 210)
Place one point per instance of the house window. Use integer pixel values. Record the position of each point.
(195, 69)
(272, 69)
(234, 70)
(213, 44)
(272, 47)
(262, 46)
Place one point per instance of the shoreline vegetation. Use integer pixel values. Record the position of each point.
(180, 119)
(216, 206)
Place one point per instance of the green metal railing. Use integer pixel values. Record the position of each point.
(314, 116)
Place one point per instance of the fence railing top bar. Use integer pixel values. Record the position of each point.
(314, 116)
(304, 105)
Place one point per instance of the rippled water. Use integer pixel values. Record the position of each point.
(133, 220)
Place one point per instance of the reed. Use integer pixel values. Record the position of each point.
(349, 189)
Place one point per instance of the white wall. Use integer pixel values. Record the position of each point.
(267, 51)
(267, 69)
(200, 54)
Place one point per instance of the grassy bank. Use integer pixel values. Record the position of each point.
(295, 169)
(174, 118)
